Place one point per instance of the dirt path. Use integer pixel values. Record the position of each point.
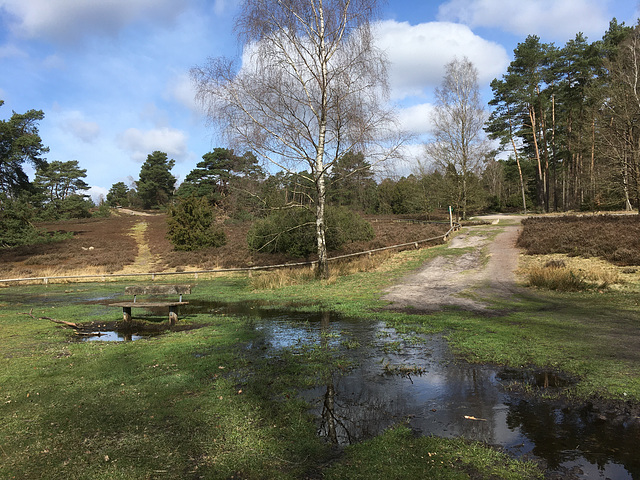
(468, 280)
(145, 261)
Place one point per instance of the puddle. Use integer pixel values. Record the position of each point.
(399, 381)
(115, 331)
(113, 337)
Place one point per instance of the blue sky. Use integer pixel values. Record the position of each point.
(112, 76)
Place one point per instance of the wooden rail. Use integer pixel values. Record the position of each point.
(153, 275)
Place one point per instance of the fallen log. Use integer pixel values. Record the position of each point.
(61, 322)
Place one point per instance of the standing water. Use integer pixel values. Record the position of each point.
(398, 380)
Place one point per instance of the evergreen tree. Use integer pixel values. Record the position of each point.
(20, 142)
(118, 195)
(156, 184)
(192, 225)
(352, 183)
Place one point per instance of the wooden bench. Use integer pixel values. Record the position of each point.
(154, 290)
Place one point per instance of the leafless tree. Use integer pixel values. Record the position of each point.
(459, 145)
(311, 87)
(618, 121)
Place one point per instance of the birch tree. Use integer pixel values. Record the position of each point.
(459, 145)
(311, 86)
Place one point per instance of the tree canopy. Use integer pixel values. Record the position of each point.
(312, 88)
(156, 183)
(20, 142)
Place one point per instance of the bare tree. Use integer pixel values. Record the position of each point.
(312, 86)
(458, 145)
(618, 120)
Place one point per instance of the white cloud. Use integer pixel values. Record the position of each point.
(83, 130)
(416, 119)
(141, 143)
(418, 54)
(73, 123)
(552, 20)
(181, 89)
(97, 193)
(69, 20)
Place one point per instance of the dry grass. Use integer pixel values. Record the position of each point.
(282, 277)
(578, 252)
(565, 273)
(97, 246)
(236, 252)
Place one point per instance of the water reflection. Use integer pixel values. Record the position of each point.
(112, 337)
(449, 399)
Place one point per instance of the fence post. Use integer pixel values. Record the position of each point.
(450, 217)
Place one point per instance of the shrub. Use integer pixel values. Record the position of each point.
(557, 278)
(192, 225)
(612, 238)
(293, 231)
(16, 227)
(345, 226)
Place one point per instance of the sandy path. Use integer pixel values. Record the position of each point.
(466, 281)
(145, 261)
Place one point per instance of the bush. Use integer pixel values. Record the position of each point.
(612, 238)
(192, 225)
(103, 211)
(557, 278)
(293, 231)
(16, 227)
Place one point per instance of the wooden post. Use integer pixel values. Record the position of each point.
(450, 217)
(173, 314)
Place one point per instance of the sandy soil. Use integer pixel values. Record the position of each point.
(467, 281)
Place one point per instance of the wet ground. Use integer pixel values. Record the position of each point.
(399, 380)
(416, 380)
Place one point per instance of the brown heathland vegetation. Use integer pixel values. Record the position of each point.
(127, 243)
(614, 238)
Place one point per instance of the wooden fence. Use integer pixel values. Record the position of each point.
(195, 273)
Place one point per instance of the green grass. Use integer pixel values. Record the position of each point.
(181, 405)
(397, 454)
(197, 404)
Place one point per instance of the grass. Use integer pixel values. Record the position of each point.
(398, 454)
(197, 404)
(556, 278)
(190, 404)
(182, 405)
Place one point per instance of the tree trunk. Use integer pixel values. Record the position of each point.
(323, 264)
(592, 180)
(541, 178)
(515, 152)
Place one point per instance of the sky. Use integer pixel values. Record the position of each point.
(112, 76)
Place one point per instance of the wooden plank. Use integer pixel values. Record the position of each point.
(147, 304)
(158, 289)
